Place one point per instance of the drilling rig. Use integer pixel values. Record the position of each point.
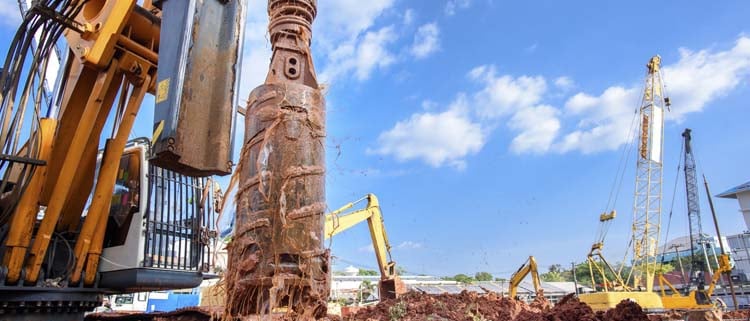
(78, 221)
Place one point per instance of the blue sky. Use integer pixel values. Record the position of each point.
(491, 130)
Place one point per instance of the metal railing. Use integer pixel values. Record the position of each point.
(179, 221)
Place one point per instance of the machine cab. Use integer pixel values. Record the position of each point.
(160, 226)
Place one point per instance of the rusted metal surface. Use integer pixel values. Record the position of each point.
(277, 261)
(196, 94)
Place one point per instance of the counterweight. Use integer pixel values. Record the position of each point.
(277, 259)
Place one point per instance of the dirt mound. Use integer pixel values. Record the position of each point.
(626, 311)
(470, 306)
(741, 315)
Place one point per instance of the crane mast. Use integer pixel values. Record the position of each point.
(693, 205)
(648, 179)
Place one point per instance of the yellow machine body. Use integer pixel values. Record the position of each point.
(601, 301)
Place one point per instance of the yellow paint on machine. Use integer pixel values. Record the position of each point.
(602, 301)
(157, 132)
(162, 91)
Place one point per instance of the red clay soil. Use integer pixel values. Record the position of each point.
(737, 315)
(468, 306)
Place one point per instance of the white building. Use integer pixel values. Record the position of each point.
(742, 195)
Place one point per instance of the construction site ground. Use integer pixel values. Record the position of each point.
(466, 306)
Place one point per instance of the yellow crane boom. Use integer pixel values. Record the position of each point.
(390, 285)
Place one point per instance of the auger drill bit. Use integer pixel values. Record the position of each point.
(277, 258)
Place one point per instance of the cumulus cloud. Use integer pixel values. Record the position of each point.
(503, 94)
(702, 76)
(408, 16)
(538, 127)
(426, 40)
(603, 121)
(438, 139)
(362, 56)
(453, 5)
(587, 123)
(697, 78)
(257, 50)
(343, 20)
(564, 83)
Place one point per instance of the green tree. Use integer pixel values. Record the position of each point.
(462, 278)
(552, 276)
(364, 272)
(483, 276)
(557, 268)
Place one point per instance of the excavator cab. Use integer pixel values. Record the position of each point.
(159, 228)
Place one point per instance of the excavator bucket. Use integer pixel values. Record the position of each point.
(391, 289)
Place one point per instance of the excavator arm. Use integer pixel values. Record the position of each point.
(390, 285)
(528, 267)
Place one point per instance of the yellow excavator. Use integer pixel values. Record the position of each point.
(529, 267)
(390, 285)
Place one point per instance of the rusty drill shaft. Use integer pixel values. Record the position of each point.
(277, 258)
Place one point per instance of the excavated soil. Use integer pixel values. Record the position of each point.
(469, 306)
(737, 315)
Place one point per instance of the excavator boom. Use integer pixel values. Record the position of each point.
(390, 284)
(528, 267)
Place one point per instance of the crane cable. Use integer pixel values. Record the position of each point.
(622, 166)
(671, 208)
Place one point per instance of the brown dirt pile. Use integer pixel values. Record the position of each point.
(737, 315)
(469, 306)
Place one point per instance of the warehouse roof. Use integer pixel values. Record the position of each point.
(732, 192)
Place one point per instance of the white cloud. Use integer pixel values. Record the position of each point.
(344, 32)
(344, 20)
(408, 16)
(409, 245)
(538, 128)
(702, 76)
(453, 5)
(504, 94)
(257, 49)
(438, 139)
(603, 122)
(564, 83)
(362, 56)
(426, 40)
(587, 123)
(10, 14)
